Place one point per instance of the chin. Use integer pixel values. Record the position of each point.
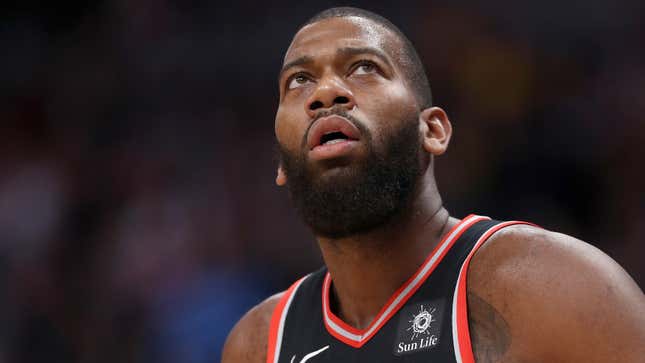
(334, 172)
(337, 174)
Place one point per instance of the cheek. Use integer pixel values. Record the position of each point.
(400, 102)
(288, 129)
(390, 109)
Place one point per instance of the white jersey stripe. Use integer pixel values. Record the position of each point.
(455, 337)
(283, 317)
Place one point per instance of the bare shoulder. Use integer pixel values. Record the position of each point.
(247, 342)
(559, 298)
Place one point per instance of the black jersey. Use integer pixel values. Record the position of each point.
(426, 320)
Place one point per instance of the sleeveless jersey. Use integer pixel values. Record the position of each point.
(426, 320)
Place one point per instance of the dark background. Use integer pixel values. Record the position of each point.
(138, 214)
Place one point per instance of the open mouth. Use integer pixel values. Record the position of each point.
(331, 130)
(333, 138)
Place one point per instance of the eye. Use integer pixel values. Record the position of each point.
(297, 80)
(365, 67)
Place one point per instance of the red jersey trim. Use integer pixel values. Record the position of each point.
(357, 338)
(460, 329)
(276, 327)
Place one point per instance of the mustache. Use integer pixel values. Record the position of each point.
(337, 110)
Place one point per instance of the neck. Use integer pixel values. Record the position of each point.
(367, 269)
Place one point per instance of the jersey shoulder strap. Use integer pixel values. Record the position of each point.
(460, 328)
(279, 317)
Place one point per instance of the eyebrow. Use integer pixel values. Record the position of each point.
(294, 63)
(351, 51)
(347, 51)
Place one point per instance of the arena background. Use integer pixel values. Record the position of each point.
(138, 214)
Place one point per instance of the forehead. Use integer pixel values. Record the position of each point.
(339, 32)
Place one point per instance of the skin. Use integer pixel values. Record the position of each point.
(533, 295)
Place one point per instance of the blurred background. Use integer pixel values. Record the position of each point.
(138, 214)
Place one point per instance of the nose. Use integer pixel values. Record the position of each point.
(329, 93)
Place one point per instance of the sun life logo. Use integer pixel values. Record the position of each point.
(421, 322)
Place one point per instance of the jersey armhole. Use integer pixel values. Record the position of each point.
(460, 329)
(276, 327)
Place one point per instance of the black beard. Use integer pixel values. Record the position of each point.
(362, 197)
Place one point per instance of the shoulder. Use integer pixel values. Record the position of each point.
(528, 257)
(247, 342)
(562, 296)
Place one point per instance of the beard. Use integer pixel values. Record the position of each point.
(363, 196)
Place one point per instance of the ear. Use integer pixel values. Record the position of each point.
(436, 130)
(281, 178)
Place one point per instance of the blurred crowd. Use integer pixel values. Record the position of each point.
(138, 215)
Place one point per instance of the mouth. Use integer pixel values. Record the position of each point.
(332, 136)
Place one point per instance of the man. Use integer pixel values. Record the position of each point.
(403, 280)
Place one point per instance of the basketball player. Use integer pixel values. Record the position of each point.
(403, 280)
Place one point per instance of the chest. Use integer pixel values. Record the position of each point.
(426, 320)
(420, 332)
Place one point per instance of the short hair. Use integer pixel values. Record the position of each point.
(411, 63)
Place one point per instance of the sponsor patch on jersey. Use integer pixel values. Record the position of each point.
(419, 327)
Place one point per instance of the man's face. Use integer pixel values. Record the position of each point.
(347, 126)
